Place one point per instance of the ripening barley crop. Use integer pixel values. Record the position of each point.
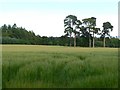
(27, 66)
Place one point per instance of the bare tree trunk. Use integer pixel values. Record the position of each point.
(93, 40)
(70, 40)
(89, 42)
(104, 42)
(89, 39)
(74, 40)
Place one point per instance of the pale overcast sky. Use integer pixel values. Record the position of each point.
(45, 17)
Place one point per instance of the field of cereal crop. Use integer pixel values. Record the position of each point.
(36, 66)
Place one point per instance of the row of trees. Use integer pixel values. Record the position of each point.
(86, 28)
(19, 35)
(14, 34)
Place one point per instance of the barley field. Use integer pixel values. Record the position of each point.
(37, 66)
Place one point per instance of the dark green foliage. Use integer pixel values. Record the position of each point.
(18, 35)
(71, 24)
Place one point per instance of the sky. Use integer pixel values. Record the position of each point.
(45, 17)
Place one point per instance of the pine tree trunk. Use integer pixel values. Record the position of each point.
(74, 40)
(89, 42)
(70, 40)
(89, 39)
(104, 42)
(93, 40)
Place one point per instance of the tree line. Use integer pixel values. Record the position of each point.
(83, 35)
(87, 28)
